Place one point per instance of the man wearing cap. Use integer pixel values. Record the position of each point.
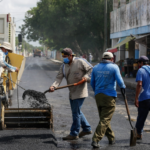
(142, 98)
(75, 69)
(103, 82)
(4, 49)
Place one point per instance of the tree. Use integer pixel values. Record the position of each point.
(78, 24)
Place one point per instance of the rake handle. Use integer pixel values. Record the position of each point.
(62, 87)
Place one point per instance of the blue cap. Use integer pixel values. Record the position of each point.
(143, 58)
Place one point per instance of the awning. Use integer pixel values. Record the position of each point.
(112, 50)
(142, 40)
(123, 41)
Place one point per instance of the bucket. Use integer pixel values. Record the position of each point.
(135, 66)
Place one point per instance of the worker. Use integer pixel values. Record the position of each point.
(75, 69)
(90, 58)
(142, 98)
(5, 47)
(103, 81)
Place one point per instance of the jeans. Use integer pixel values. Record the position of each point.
(143, 110)
(78, 117)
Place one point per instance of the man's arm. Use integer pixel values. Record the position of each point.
(58, 79)
(4, 64)
(93, 80)
(87, 67)
(138, 90)
(119, 78)
(138, 87)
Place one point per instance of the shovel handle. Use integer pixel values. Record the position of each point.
(125, 99)
(61, 87)
(126, 104)
(80, 82)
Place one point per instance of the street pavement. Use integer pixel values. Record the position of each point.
(38, 75)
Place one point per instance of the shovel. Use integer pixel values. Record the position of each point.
(133, 135)
(70, 85)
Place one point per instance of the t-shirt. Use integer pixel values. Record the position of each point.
(104, 77)
(143, 75)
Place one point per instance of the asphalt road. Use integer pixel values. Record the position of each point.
(39, 74)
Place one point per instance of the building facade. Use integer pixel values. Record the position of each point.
(7, 30)
(132, 19)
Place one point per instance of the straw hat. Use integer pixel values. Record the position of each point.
(6, 45)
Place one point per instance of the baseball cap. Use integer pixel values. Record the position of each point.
(143, 58)
(67, 51)
(107, 55)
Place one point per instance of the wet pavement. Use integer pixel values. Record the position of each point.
(39, 74)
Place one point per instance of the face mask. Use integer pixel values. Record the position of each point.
(6, 53)
(66, 60)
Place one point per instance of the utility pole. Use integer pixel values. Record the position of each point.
(105, 26)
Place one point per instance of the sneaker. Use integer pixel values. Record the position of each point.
(70, 137)
(83, 133)
(95, 144)
(112, 142)
(139, 136)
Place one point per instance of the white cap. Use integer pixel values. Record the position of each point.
(6, 45)
(107, 55)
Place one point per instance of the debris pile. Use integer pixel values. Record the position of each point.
(35, 99)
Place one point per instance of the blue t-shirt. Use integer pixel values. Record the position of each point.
(143, 75)
(104, 77)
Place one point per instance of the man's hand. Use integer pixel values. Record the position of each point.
(136, 102)
(17, 70)
(52, 89)
(84, 79)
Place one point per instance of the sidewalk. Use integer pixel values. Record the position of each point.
(129, 82)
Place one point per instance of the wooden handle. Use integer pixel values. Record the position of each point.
(126, 104)
(61, 87)
(80, 82)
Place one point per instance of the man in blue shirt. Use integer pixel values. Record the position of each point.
(103, 82)
(142, 98)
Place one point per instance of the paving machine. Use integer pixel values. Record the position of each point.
(20, 117)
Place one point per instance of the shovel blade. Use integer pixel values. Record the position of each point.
(133, 137)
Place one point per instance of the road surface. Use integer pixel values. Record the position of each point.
(39, 74)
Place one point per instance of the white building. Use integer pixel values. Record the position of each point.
(130, 19)
(7, 30)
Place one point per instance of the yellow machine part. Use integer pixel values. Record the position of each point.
(16, 61)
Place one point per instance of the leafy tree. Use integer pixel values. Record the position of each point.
(78, 24)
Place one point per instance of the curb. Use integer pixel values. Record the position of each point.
(56, 61)
(131, 85)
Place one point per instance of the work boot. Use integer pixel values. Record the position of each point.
(139, 136)
(70, 137)
(112, 142)
(83, 133)
(95, 144)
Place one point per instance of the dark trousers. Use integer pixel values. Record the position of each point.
(143, 110)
